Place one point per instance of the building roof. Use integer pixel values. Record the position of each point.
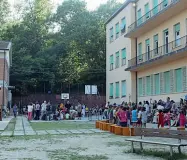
(4, 45)
(120, 9)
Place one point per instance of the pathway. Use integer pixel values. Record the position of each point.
(23, 128)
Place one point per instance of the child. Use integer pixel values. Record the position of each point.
(182, 118)
(160, 119)
(128, 117)
(139, 123)
(155, 119)
(134, 117)
(167, 119)
(144, 117)
(67, 116)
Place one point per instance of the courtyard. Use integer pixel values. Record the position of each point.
(70, 140)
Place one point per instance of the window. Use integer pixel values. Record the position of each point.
(166, 41)
(147, 47)
(155, 7)
(165, 3)
(111, 62)
(111, 90)
(117, 30)
(140, 58)
(167, 82)
(147, 13)
(148, 85)
(178, 75)
(155, 44)
(123, 88)
(117, 89)
(123, 55)
(177, 34)
(111, 34)
(117, 59)
(157, 84)
(139, 18)
(123, 25)
(140, 87)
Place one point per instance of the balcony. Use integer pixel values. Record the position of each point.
(155, 17)
(169, 52)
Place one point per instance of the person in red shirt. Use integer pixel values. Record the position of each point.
(160, 119)
(122, 115)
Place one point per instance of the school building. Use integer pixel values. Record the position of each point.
(146, 51)
(5, 63)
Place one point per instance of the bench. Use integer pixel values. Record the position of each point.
(163, 133)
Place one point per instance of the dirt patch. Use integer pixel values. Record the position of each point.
(70, 147)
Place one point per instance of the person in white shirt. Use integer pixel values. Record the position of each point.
(30, 108)
(146, 105)
(44, 105)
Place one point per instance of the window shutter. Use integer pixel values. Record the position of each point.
(124, 53)
(177, 27)
(111, 59)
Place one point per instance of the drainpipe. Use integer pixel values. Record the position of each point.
(136, 48)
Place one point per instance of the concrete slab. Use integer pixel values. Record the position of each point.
(87, 131)
(75, 131)
(63, 132)
(52, 132)
(30, 133)
(18, 133)
(97, 131)
(6, 133)
(43, 132)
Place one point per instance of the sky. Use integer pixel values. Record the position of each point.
(91, 4)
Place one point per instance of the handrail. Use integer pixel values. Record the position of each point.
(158, 52)
(150, 14)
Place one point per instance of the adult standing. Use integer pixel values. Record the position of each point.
(37, 111)
(43, 108)
(68, 106)
(15, 110)
(122, 115)
(83, 110)
(30, 109)
(79, 110)
(147, 108)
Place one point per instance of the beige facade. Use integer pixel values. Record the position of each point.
(156, 38)
(118, 76)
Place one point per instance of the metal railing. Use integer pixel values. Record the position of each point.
(156, 10)
(166, 49)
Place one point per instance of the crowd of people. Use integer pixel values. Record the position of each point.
(160, 114)
(62, 111)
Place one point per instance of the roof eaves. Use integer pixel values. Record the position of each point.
(119, 10)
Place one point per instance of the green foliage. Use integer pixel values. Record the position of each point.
(67, 46)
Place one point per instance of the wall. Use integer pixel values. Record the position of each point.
(181, 18)
(120, 74)
(163, 68)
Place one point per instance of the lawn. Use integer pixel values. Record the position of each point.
(61, 125)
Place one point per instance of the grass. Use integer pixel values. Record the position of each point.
(61, 125)
(11, 125)
(67, 155)
(161, 154)
(117, 143)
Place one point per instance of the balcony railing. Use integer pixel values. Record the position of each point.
(156, 10)
(159, 52)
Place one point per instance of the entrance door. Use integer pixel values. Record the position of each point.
(166, 41)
